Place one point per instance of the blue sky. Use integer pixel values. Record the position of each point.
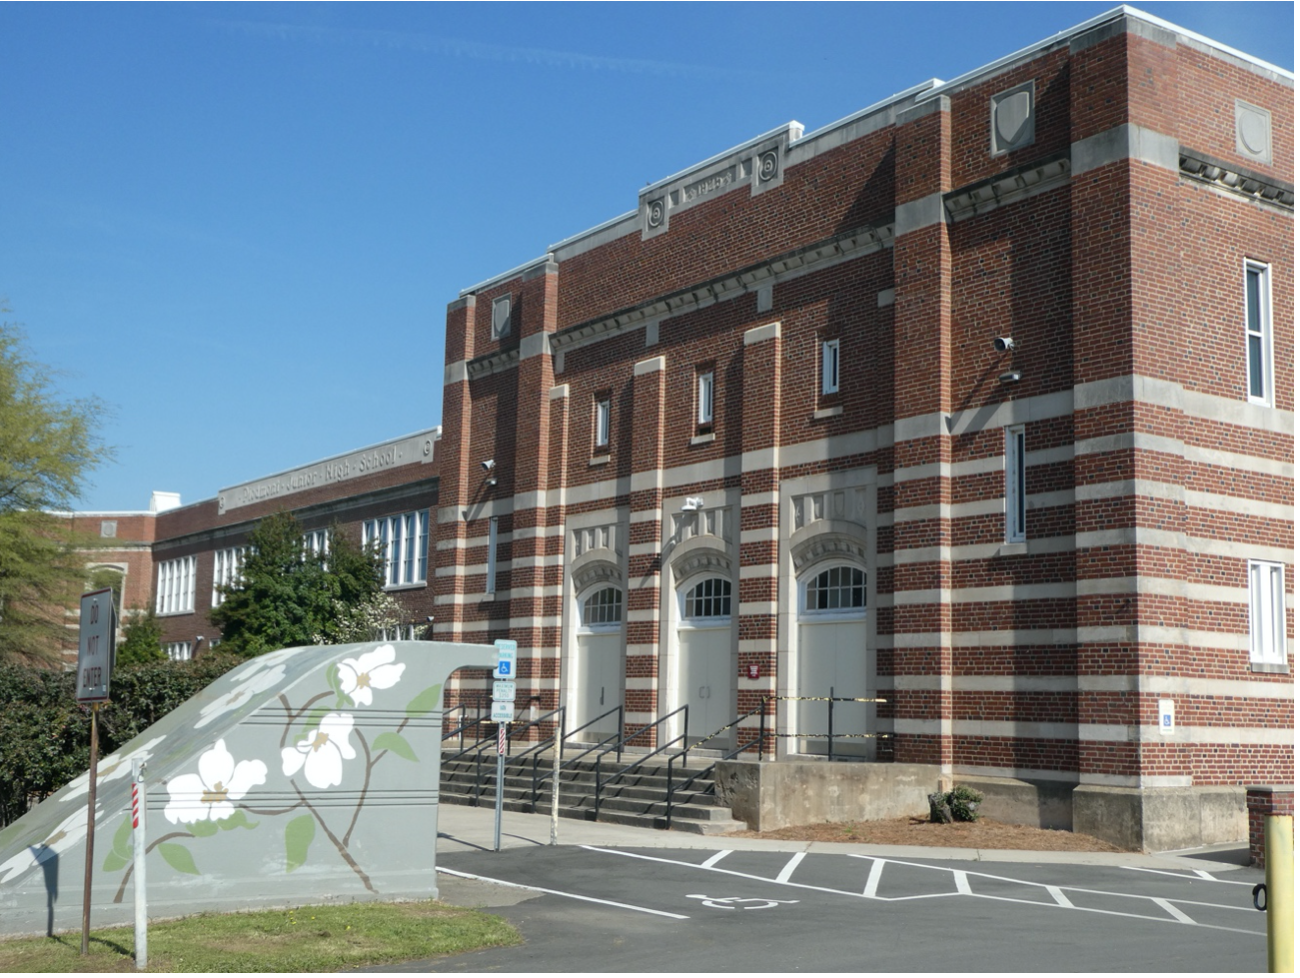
(240, 225)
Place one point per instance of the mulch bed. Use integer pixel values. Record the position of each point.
(918, 830)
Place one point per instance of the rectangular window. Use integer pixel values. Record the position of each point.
(704, 398)
(403, 543)
(492, 556)
(1267, 612)
(602, 423)
(316, 542)
(178, 651)
(175, 586)
(1259, 334)
(1016, 484)
(831, 367)
(226, 565)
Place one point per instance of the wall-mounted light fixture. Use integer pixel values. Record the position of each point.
(693, 504)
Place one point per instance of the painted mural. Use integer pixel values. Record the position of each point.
(306, 775)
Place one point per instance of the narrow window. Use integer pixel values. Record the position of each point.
(492, 556)
(1259, 334)
(704, 398)
(602, 423)
(1267, 612)
(831, 367)
(1016, 484)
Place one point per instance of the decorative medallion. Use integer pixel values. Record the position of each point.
(767, 166)
(654, 213)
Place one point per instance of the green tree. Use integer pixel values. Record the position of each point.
(288, 596)
(48, 445)
(141, 639)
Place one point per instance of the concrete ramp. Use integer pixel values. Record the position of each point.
(307, 775)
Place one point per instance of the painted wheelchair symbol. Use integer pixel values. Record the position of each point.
(734, 903)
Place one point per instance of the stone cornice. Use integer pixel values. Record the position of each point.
(1235, 179)
(492, 363)
(1006, 188)
(852, 244)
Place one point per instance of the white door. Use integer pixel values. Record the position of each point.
(599, 664)
(707, 671)
(600, 683)
(708, 686)
(835, 654)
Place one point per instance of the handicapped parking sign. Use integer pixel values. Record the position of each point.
(505, 658)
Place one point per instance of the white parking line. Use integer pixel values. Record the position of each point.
(716, 858)
(571, 896)
(1201, 876)
(961, 877)
(788, 869)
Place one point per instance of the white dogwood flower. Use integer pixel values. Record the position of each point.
(367, 672)
(110, 768)
(69, 832)
(320, 755)
(256, 682)
(210, 794)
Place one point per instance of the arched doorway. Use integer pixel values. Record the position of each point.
(707, 670)
(835, 653)
(599, 660)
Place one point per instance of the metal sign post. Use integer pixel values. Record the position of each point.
(95, 648)
(138, 840)
(503, 711)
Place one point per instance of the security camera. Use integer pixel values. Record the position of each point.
(488, 464)
(1003, 343)
(1010, 377)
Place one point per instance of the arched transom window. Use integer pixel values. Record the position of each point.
(603, 607)
(711, 598)
(836, 589)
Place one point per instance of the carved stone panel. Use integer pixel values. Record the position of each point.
(1012, 118)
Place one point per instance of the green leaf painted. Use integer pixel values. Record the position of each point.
(115, 861)
(297, 837)
(311, 721)
(397, 744)
(122, 841)
(425, 702)
(236, 821)
(203, 828)
(178, 858)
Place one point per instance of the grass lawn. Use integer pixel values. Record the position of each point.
(327, 938)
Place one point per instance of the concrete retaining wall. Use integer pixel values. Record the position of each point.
(780, 793)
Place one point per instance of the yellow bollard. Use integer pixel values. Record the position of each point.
(1279, 877)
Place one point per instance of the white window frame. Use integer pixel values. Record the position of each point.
(689, 594)
(1267, 612)
(830, 366)
(316, 542)
(491, 585)
(1015, 484)
(403, 541)
(179, 651)
(590, 595)
(704, 398)
(602, 422)
(175, 586)
(849, 611)
(1261, 336)
(227, 567)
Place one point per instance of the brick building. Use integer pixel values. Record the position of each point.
(978, 402)
(173, 556)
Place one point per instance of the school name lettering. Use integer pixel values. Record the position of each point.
(318, 475)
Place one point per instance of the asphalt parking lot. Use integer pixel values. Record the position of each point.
(615, 905)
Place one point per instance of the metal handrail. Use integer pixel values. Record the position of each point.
(600, 783)
(761, 710)
(597, 746)
(830, 734)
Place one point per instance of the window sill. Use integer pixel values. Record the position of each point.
(1013, 549)
(703, 439)
(406, 587)
(599, 460)
(173, 614)
(1280, 668)
(830, 412)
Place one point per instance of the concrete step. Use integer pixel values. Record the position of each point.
(718, 821)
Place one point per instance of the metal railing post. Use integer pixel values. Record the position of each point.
(830, 726)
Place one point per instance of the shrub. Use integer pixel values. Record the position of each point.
(958, 805)
(45, 733)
